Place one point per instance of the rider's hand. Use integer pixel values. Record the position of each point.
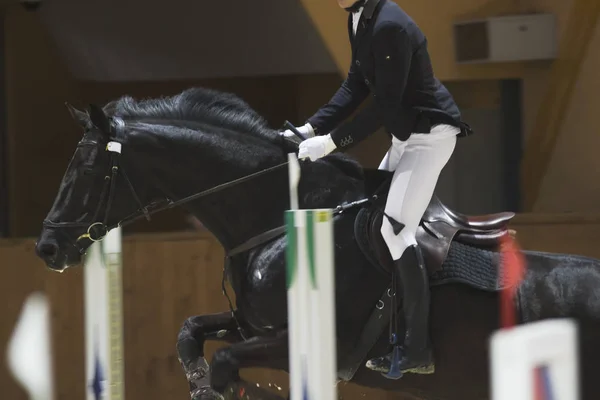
(306, 130)
(316, 147)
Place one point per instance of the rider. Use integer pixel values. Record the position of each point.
(391, 62)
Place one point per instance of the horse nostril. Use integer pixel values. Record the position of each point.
(48, 251)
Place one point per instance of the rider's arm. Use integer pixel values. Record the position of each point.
(392, 53)
(343, 103)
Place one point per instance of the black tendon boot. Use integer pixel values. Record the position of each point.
(414, 355)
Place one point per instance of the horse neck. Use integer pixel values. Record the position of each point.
(187, 163)
(245, 210)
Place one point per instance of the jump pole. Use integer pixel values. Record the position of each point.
(104, 319)
(310, 297)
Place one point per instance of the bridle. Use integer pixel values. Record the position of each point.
(97, 229)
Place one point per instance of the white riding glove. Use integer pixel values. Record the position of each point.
(307, 130)
(316, 147)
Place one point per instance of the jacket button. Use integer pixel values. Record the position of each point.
(358, 63)
(367, 81)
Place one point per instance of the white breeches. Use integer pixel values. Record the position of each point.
(417, 164)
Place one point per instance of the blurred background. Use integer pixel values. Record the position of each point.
(524, 73)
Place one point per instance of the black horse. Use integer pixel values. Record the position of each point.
(136, 158)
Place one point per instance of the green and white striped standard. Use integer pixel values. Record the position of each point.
(104, 352)
(311, 304)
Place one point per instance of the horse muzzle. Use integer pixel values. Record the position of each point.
(57, 255)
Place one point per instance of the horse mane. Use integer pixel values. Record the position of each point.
(222, 109)
(195, 104)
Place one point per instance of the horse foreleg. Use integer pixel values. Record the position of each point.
(190, 348)
(261, 352)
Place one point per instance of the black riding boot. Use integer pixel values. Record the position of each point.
(414, 355)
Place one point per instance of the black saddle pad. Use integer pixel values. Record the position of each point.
(471, 266)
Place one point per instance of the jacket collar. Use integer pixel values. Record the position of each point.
(369, 9)
(365, 18)
(367, 13)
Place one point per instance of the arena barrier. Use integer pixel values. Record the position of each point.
(535, 361)
(104, 366)
(311, 298)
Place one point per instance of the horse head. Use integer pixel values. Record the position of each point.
(86, 206)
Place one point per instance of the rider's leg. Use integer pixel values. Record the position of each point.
(417, 164)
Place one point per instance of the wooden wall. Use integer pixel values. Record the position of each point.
(168, 277)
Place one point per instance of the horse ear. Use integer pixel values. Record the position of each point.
(99, 119)
(79, 116)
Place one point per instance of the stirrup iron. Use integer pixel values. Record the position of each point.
(394, 372)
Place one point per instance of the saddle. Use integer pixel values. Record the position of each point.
(439, 227)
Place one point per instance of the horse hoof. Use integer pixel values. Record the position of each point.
(198, 376)
(379, 364)
(426, 370)
(383, 365)
(206, 393)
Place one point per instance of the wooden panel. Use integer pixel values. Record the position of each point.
(169, 277)
(574, 233)
(568, 183)
(554, 105)
(41, 134)
(166, 279)
(4, 214)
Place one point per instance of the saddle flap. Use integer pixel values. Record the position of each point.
(382, 253)
(434, 246)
